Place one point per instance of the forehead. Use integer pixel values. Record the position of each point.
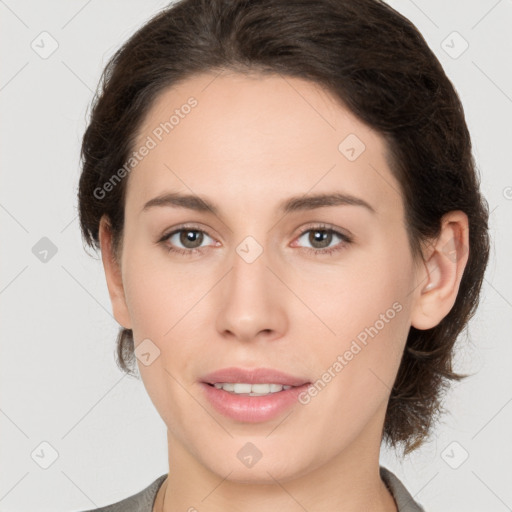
(268, 134)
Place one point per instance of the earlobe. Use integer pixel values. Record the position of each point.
(442, 272)
(113, 275)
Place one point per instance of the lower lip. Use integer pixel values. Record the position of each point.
(252, 409)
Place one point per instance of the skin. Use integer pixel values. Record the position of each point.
(250, 143)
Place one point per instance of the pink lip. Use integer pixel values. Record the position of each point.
(252, 409)
(253, 376)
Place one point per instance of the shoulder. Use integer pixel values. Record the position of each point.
(140, 502)
(404, 501)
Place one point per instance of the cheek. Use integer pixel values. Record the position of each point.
(356, 368)
(161, 305)
(368, 314)
(157, 293)
(151, 311)
(165, 303)
(370, 333)
(369, 291)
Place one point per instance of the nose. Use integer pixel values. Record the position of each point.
(253, 301)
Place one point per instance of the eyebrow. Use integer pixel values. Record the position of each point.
(293, 204)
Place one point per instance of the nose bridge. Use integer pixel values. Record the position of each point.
(250, 277)
(251, 300)
(251, 248)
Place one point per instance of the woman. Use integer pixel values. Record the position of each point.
(293, 237)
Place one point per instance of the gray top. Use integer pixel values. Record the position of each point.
(404, 501)
(143, 501)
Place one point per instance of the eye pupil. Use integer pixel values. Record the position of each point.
(324, 237)
(191, 236)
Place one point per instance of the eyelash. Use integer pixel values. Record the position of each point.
(346, 240)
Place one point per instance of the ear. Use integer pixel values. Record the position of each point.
(113, 274)
(441, 272)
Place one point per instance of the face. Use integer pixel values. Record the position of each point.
(300, 263)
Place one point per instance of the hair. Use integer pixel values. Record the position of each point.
(377, 64)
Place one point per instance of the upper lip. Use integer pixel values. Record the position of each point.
(253, 376)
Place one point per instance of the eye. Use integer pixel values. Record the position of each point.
(189, 240)
(321, 238)
(185, 240)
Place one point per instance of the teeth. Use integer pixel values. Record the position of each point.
(250, 389)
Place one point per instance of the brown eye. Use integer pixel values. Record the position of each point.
(191, 238)
(320, 238)
(186, 241)
(323, 240)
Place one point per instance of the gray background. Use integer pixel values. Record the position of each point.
(76, 432)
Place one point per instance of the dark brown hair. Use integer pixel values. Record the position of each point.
(379, 66)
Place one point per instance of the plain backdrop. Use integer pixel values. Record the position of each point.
(76, 433)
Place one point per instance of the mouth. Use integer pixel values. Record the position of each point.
(247, 389)
(254, 395)
(241, 378)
